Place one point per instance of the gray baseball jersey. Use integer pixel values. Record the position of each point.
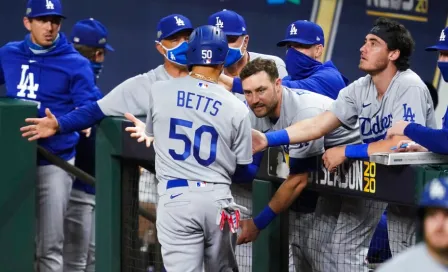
(416, 258)
(407, 98)
(133, 94)
(299, 105)
(201, 130)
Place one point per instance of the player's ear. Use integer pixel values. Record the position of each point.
(394, 55)
(319, 51)
(278, 84)
(245, 43)
(27, 23)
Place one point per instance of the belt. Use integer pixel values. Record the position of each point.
(182, 183)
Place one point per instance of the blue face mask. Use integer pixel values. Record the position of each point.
(234, 55)
(299, 65)
(97, 67)
(177, 54)
(443, 66)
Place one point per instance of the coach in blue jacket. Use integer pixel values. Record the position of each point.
(45, 68)
(305, 41)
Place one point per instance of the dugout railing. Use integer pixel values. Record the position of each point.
(119, 212)
(118, 159)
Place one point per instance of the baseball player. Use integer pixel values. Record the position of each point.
(305, 41)
(390, 92)
(89, 37)
(427, 138)
(276, 107)
(207, 139)
(234, 26)
(45, 68)
(431, 254)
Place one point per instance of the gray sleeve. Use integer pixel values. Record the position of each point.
(411, 105)
(149, 131)
(311, 148)
(345, 107)
(281, 67)
(130, 96)
(242, 144)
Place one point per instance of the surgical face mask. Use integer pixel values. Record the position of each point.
(443, 66)
(177, 54)
(234, 55)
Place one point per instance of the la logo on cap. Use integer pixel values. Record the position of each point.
(293, 30)
(179, 21)
(219, 23)
(442, 36)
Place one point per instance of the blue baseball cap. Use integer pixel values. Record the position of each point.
(90, 32)
(303, 32)
(442, 44)
(229, 21)
(39, 8)
(171, 25)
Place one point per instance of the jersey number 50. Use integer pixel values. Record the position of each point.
(174, 122)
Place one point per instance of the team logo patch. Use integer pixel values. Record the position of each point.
(202, 85)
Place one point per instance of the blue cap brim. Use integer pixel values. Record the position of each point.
(285, 41)
(46, 14)
(437, 48)
(109, 48)
(229, 33)
(176, 31)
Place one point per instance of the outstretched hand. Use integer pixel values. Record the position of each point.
(41, 127)
(138, 131)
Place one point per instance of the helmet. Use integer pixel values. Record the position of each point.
(435, 194)
(207, 46)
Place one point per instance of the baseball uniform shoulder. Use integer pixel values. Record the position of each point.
(415, 258)
(405, 80)
(278, 61)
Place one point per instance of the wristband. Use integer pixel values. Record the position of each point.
(264, 218)
(277, 138)
(358, 151)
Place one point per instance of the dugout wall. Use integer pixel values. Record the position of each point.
(119, 246)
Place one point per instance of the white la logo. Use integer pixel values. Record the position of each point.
(293, 30)
(219, 23)
(49, 4)
(179, 21)
(172, 57)
(27, 83)
(436, 190)
(442, 36)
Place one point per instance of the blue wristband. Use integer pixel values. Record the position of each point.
(237, 86)
(264, 218)
(277, 138)
(358, 151)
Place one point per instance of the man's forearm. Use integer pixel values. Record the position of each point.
(288, 192)
(385, 145)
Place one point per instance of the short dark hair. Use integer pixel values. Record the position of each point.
(87, 51)
(400, 39)
(259, 65)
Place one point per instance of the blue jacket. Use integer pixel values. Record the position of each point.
(85, 155)
(325, 79)
(60, 79)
